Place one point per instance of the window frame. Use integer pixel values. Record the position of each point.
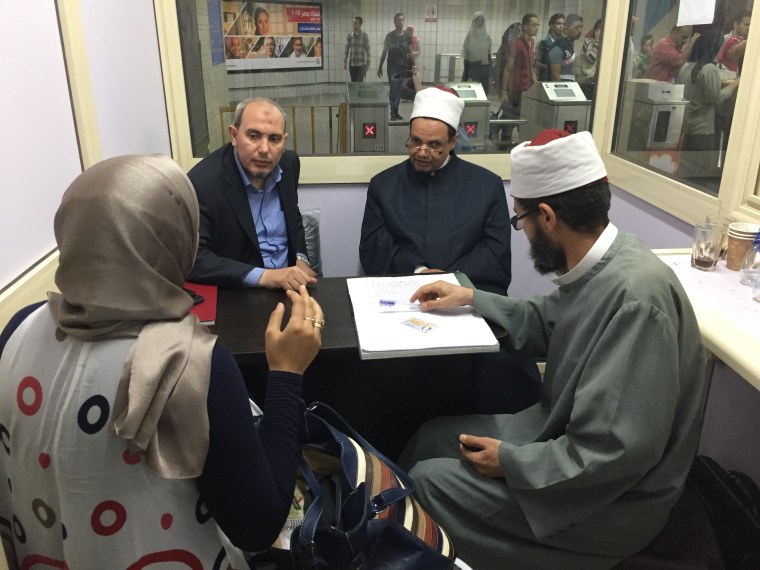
(739, 194)
(314, 169)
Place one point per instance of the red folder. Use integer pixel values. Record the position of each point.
(206, 309)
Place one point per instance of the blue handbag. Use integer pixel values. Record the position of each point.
(362, 513)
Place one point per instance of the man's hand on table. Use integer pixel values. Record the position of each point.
(442, 295)
(288, 278)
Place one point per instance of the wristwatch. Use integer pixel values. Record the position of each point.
(301, 257)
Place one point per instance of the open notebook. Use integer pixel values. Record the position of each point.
(388, 326)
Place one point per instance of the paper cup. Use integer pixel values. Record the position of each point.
(737, 250)
(742, 228)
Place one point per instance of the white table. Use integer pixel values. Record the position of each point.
(729, 318)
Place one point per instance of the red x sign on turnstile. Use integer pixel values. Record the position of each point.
(369, 130)
(471, 129)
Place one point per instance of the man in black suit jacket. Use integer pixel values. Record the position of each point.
(251, 233)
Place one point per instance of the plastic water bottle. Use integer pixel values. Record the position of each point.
(749, 272)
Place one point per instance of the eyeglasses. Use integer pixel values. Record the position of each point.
(517, 221)
(434, 148)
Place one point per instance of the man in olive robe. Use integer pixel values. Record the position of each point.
(588, 475)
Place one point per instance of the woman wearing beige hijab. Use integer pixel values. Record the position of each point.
(476, 53)
(127, 434)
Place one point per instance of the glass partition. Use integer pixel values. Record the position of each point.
(322, 62)
(679, 86)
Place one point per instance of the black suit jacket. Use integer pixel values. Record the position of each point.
(228, 247)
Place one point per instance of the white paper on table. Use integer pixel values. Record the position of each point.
(378, 330)
(693, 12)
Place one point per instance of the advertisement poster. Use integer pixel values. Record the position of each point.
(271, 36)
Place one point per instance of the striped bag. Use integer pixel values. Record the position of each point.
(362, 514)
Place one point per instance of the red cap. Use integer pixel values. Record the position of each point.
(547, 136)
(447, 90)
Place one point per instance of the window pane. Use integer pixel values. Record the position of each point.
(337, 102)
(679, 87)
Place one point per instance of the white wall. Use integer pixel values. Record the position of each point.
(125, 70)
(39, 152)
(39, 155)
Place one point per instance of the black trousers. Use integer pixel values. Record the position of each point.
(357, 73)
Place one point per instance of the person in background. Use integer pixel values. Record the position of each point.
(251, 233)
(588, 475)
(476, 53)
(396, 47)
(556, 31)
(560, 57)
(519, 72)
(234, 49)
(357, 53)
(269, 45)
(297, 47)
(406, 83)
(129, 438)
(731, 54)
(643, 58)
(261, 18)
(509, 35)
(704, 91)
(671, 52)
(586, 64)
(414, 44)
(630, 50)
(249, 44)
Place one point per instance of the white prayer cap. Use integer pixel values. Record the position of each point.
(441, 103)
(555, 162)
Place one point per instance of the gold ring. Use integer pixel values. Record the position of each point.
(319, 323)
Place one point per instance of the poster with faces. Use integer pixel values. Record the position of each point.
(275, 36)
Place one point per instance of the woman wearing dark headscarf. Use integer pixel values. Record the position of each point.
(128, 435)
(702, 88)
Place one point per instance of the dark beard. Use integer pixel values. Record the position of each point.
(546, 257)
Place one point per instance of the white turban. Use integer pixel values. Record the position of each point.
(555, 162)
(441, 103)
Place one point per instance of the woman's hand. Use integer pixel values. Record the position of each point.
(292, 349)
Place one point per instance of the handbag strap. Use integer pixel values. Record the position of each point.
(335, 422)
(307, 552)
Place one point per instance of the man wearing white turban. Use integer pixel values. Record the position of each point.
(588, 475)
(436, 212)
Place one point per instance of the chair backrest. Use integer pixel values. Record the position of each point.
(311, 233)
